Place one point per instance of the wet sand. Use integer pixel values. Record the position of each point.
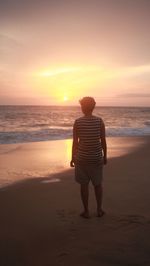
(40, 224)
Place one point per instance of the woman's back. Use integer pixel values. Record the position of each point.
(88, 130)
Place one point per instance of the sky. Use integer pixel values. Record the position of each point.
(58, 51)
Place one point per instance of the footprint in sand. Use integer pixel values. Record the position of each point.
(62, 254)
(65, 218)
(61, 214)
(131, 221)
(128, 222)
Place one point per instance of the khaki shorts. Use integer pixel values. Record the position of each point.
(85, 172)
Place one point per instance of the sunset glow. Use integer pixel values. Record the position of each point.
(55, 54)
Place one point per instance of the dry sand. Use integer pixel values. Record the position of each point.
(40, 226)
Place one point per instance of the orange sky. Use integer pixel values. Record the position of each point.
(55, 52)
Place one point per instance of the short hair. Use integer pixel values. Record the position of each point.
(88, 103)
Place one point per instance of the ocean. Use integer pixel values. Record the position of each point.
(20, 124)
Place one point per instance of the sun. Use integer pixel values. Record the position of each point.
(65, 98)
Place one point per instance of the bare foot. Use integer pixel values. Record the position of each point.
(100, 213)
(85, 215)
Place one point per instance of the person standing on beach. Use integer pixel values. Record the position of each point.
(89, 154)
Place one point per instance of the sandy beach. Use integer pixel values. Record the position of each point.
(40, 206)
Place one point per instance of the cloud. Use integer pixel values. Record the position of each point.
(8, 45)
(10, 50)
(104, 31)
(134, 95)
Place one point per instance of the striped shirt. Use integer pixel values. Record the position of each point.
(88, 130)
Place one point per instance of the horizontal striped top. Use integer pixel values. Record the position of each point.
(88, 130)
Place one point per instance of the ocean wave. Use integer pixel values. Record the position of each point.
(48, 125)
(33, 136)
(127, 131)
(38, 123)
(65, 133)
(147, 123)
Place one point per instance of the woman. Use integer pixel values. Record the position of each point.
(89, 154)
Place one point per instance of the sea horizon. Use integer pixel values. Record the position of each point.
(78, 106)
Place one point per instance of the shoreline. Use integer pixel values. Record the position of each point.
(40, 224)
(44, 159)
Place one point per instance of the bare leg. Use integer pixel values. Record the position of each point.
(99, 195)
(85, 200)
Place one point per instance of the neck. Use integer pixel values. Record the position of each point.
(89, 114)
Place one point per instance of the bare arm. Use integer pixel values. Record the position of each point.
(103, 141)
(74, 146)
